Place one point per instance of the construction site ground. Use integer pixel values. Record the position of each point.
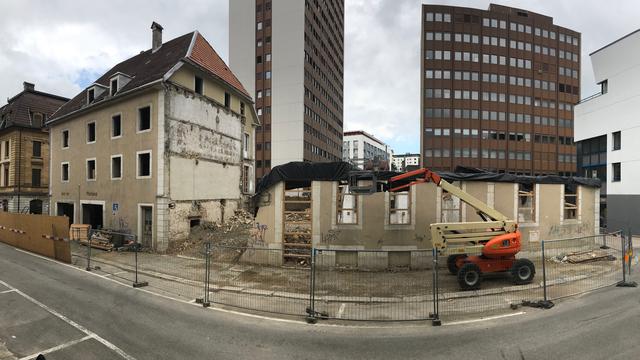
(397, 294)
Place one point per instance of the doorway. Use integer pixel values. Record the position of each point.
(65, 209)
(146, 234)
(35, 206)
(92, 215)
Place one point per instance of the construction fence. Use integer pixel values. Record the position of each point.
(362, 284)
(40, 234)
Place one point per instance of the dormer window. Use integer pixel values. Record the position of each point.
(114, 86)
(91, 95)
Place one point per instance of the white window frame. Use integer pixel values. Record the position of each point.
(119, 136)
(86, 169)
(62, 138)
(138, 131)
(95, 132)
(62, 164)
(121, 166)
(138, 153)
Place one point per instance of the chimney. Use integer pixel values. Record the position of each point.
(28, 86)
(156, 41)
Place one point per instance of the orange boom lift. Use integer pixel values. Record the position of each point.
(473, 248)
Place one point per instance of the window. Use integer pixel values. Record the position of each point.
(526, 203)
(91, 169)
(37, 149)
(267, 75)
(114, 86)
(615, 167)
(604, 87)
(116, 126)
(116, 167)
(259, 25)
(245, 145)
(143, 164)
(246, 179)
(399, 208)
(570, 202)
(65, 172)
(616, 140)
(450, 210)
(91, 95)
(241, 108)
(144, 118)
(35, 177)
(227, 100)
(347, 206)
(65, 139)
(267, 57)
(199, 85)
(91, 132)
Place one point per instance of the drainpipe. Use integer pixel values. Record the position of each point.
(19, 165)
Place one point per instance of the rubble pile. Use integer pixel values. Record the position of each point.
(583, 257)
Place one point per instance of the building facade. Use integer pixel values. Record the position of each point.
(365, 151)
(290, 56)
(24, 150)
(607, 127)
(159, 143)
(404, 162)
(498, 88)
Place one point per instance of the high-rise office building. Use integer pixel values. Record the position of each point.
(289, 54)
(498, 88)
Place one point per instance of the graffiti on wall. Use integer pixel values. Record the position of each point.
(257, 233)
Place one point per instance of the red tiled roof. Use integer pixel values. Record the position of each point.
(204, 55)
(149, 66)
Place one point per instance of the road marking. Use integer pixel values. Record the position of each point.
(72, 323)
(341, 310)
(7, 291)
(115, 273)
(484, 319)
(56, 348)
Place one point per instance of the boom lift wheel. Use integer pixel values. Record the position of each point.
(522, 271)
(469, 276)
(451, 263)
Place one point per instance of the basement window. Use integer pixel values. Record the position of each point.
(199, 85)
(144, 118)
(526, 203)
(400, 207)
(144, 164)
(347, 206)
(91, 169)
(91, 132)
(570, 202)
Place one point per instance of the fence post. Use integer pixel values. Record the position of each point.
(88, 250)
(544, 273)
(207, 272)
(623, 243)
(435, 321)
(137, 284)
(311, 310)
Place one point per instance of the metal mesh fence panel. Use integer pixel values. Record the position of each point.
(575, 266)
(258, 279)
(497, 293)
(374, 285)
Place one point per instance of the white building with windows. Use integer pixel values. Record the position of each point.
(364, 150)
(614, 114)
(401, 162)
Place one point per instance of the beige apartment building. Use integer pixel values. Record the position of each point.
(159, 143)
(24, 150)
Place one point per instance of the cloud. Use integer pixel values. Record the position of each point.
(61, 45)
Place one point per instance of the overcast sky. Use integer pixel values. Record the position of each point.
(63, 45)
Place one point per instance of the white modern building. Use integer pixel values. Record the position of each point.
(289, 55)
(607, 129)
(401, 162)
(364, 150)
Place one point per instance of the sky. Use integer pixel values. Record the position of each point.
(62, 46)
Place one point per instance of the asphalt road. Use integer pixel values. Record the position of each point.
(70, 314)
